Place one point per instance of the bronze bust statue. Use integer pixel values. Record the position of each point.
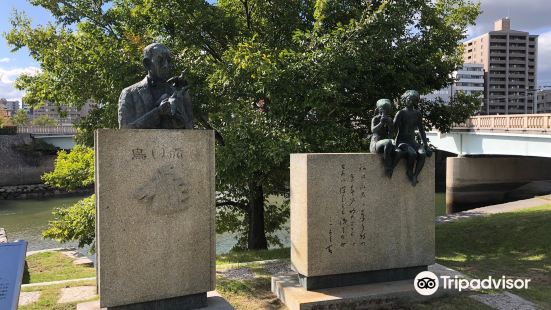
(156, 102)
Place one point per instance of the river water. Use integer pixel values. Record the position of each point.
(26, 219)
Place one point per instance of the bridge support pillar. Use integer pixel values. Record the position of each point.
(473, 182)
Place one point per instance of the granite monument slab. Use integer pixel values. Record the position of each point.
(155, 216)
(351, 225)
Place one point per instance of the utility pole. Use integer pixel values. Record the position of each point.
(535, 102)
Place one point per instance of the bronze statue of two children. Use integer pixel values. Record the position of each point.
(405, 144)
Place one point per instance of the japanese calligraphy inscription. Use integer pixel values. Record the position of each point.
(346, 217)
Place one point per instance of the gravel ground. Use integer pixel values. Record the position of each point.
(77, 293)
(505, 301)
(277, 269)
(27, 298)
(237, 274)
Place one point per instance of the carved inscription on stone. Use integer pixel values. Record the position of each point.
(157, 153)
(347, 228)
(166, 191)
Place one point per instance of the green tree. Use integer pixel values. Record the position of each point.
(275, 77)
(4, 121)
(21, 118)
(72, 170)
(44, 120)
(74, 223)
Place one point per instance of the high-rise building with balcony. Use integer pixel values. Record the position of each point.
(509, 58)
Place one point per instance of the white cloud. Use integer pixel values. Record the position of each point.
(544, 59)
(7, 78)
(527, 15)
(5, 59)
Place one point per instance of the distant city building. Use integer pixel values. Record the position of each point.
(11, 106)
(468, 79)
(444, 94)
(4, 112)
(509, 58)
(70, 115)
(544, 101)
(86, 108)
(26, 107)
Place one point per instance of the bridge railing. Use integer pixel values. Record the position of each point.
(511, 122)
(47, 130)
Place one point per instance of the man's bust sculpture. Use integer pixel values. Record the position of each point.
(156, 102)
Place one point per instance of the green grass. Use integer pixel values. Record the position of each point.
(459, 302)
(249, 294)
(236, 257)
(54, 266)
(50, 294)
(440, 204)
(516, 244)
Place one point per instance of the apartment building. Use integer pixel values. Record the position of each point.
(65, 116)
(9, 106)
(468, 79)
(544, 101)
(4, 113)
(509, 59)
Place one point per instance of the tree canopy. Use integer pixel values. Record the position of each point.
(274, 77)
(20, 118)
(44, 120)
(5, 121)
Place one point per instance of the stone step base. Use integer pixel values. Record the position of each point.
(214, 302)
(366, 296)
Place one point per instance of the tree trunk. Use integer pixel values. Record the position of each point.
(257, 235)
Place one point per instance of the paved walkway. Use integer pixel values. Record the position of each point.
(57, 282)
(495, 209)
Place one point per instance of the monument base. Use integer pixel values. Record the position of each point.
(187, 302)
(366, 296)
(358, 278)
(212, 301)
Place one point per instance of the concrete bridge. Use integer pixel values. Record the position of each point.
(499, 156)
(518, 135)
(60, 136)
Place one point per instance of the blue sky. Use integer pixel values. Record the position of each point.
(13, 64)
(528, 15)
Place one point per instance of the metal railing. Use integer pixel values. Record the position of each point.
(47, 130)
(511, 122)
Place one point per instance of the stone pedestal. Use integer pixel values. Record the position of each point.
(214, 302)
(383, 295)
(155, 218)
(351, 225)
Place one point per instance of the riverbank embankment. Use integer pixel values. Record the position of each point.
(23, 159)
(38, 191)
